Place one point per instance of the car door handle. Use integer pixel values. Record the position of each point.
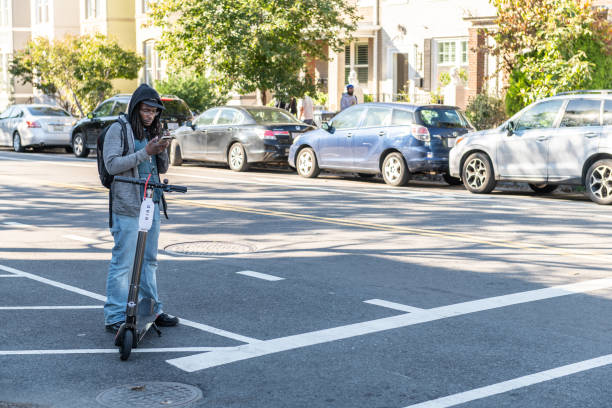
(349, 134)
(229, 129)
(542, 138)
(382, 133)
(591, 134)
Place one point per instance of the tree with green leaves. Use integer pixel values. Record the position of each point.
(77, 71)
(549, 46)
(253, 45)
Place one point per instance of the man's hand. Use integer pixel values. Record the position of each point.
(156, 146)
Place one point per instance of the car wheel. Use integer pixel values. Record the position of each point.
(17, 146)
(450, 180)
(478, 176)
(394, 170)
(543, 188)
(236, 157)
(176, 158)
(598, 182)
(78, 146)
(306, 163)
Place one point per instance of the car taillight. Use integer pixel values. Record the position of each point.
(32, 124)
(271, 134)
(420, 133)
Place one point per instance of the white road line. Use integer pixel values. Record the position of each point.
(219, 332)
(81, 239)
(393, 305)
(54, 283)
(516, 383)
(93, 295)
(10, 276)
(258, 275)
(109, 351)
(16, 224)
(217, 358)
(50, 307)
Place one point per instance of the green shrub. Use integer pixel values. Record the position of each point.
(485, 111)
(197, 91)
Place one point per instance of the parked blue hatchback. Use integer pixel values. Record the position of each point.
(394, 139)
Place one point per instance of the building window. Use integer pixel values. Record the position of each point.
(153, 63)
(146, 6)
(357, 58)
(5, 12)
(93, 8)
(453, 52)
(41, 8)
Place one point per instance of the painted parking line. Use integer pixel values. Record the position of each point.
(11, 275)
(259, 275)
(393, 305)
(81, 239)
(50, 307)
(96, 296)
(109, 351)
(520, 382)
(267, 347)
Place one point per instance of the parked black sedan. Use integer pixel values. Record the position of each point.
(85, 132)
(237, 136)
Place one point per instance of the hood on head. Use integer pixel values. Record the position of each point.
(143, 92)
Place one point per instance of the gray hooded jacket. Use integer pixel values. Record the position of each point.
(126, 197)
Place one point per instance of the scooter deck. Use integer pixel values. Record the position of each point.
(145, 318)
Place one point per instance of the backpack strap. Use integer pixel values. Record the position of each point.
(124, 141)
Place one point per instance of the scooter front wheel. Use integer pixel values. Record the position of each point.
(125, 349)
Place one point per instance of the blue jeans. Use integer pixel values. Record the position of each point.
(125, 234)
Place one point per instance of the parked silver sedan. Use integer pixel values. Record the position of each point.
(36, 126)
(565, 139)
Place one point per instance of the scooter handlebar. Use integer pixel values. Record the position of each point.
(163, 186)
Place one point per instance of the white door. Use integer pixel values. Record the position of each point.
(523, 153)
(576, 139)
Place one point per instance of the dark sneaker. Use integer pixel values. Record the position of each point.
(165, 320)
(114, 327)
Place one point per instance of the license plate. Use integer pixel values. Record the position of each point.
(287, 151)
(56, 128)
(172, 125)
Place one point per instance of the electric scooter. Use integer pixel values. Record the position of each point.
(140, 315)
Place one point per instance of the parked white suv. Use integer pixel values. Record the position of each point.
(564, 139)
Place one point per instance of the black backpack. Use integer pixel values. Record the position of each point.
(105, 177)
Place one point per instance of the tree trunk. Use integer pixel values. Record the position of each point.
(261, 97)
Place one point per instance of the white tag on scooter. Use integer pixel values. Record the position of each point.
(146, 214)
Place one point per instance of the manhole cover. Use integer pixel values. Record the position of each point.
(150, 394)
(204, 248)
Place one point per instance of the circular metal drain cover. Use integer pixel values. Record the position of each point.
(206, 248)
(150, 395)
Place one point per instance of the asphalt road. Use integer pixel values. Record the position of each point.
(363, 295)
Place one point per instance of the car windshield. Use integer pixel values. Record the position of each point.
(442, 118)
(271, 116)
(47, 111)
(175, 107)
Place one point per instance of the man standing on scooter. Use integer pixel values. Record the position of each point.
(146, 155)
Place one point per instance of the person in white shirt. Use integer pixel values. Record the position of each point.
(307, 110)
(348, 99)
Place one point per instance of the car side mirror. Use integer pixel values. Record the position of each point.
(90, 115)
(327, 127)
(510, 128)
(190, 124)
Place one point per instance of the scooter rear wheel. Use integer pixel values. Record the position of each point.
(125, 349)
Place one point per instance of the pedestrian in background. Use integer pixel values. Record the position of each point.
(307, 110)
(348, 99)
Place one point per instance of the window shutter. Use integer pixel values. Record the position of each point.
(427, 65)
